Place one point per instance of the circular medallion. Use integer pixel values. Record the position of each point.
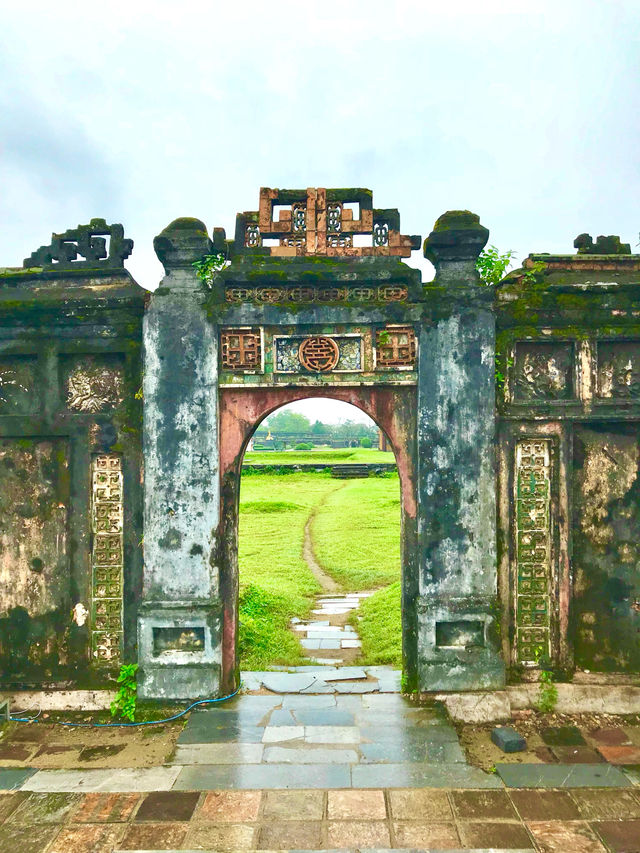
(319, 354)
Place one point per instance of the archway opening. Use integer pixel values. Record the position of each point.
(319, 539)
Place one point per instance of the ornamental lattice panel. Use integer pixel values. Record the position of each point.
(533, 550)
(396, 347)
(107, 559)
(241, 349)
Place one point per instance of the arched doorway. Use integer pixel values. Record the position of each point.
(241, 411)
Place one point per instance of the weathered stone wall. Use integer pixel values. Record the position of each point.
(569, 405)
(70, 462)
(542, 372)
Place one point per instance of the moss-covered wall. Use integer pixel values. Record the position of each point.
(70, 370)
(606, 547)
(568, 383)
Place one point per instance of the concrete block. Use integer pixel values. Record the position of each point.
(477, 707)
(508, 739)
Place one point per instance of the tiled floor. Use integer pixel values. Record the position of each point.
(593, 821)
(323, 741)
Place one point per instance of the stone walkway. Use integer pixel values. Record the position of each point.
(311, 772)
(322, 679)
(331, 638)
(584, 821)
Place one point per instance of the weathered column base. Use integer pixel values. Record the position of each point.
(180, 650)
(457, 649)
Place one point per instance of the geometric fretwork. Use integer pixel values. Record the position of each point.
(533, 550)
(319, 221)
(241, 349)
(107, 558)
(396, 346)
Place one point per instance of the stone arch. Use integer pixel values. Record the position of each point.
(393, 409)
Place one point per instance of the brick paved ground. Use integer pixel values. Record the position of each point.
(577, 821)
(317, 772)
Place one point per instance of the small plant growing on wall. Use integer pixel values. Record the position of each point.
(124, 705)
(548, 692)
(492, 265)
(208, 266)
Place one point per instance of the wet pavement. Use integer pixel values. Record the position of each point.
(325, 771)
(589, 821)
(323, 741)
(322, 679)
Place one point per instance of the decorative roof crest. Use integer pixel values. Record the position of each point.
(318, 221)
(88, 241)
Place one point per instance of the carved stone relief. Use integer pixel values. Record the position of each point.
(533, 550)
(241, 349)
(384, 293)
(94, 384)
(619, 370)
(107, 558)
(318, 353)
(544, 371)
(396, 347)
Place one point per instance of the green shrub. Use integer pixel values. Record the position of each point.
(365, 442)
(303, 446)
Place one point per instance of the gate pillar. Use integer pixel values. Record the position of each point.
(456, 607)
(179, 626)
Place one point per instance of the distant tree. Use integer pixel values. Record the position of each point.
(319, 428)
(288, 422)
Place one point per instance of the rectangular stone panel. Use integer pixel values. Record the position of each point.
(618, 370)
(606, 547)
(183, 639)
(533, 570)
(396, 347)
(107, 558)
(463, 633)
(18, 394)
(287, 359)
(544, 371)
(241, 349)
(34, 574)
(92, 383)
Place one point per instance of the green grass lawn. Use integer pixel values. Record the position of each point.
(356, 533)
(378, 624)
(323, 455)
(275, 582)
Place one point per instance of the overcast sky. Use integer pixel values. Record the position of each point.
(524, 112)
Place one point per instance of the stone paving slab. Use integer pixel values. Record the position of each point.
(266, 776)
(219, 753)
(425, 775)
(562, 776)
(578, 821)
(116, 780)
(12, 778)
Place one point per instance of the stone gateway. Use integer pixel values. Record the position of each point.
(513, 412)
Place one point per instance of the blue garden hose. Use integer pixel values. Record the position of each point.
(127, 725)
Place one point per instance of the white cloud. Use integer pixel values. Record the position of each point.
(525, 112)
